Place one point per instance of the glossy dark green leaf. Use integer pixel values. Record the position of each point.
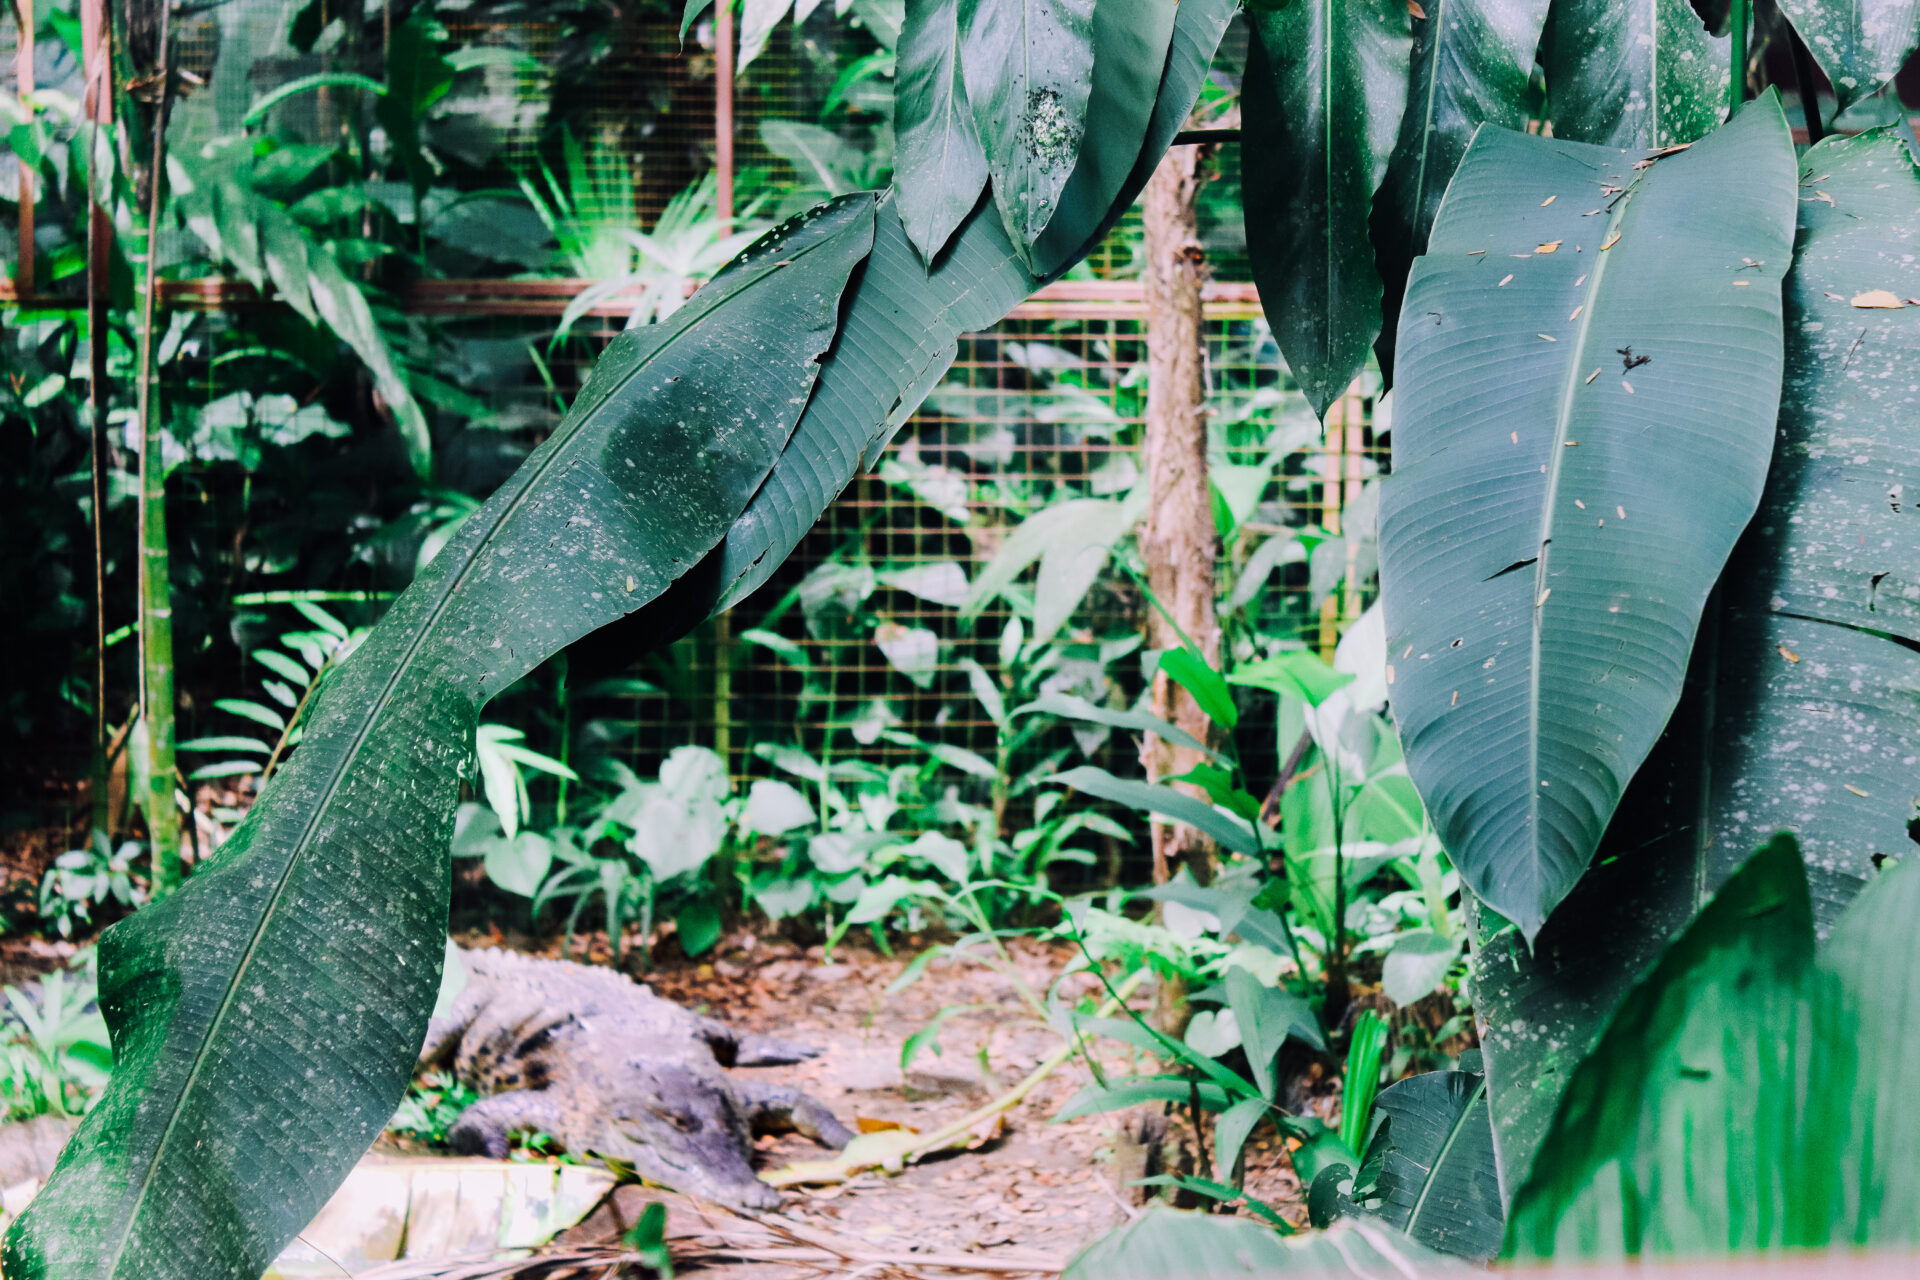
(1130, 42)
(940, 168)
(1766, 1083)
(1816, 726)
(1633, 73)
(902, 331)
(1858, 43)
(1706, 1119)
(1325, 88)
(266, 1016)
(1800, 712)
(1873, 955)
(1028, 66)
(1556, 518)
(1471, 63)
(1436, 1178)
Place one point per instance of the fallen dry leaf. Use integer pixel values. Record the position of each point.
(1612, 240)
(1551, 246)
(1549, 200)
(1857, 791)
(1884, 299)
(873, 1124)
(1788, 654)
(1504, 279)
(1413, 7)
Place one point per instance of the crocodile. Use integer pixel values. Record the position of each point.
(614, 1072)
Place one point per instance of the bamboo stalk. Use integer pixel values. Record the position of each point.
(156, 587)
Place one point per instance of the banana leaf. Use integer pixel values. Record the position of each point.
(1322, 99)
(1633, 73)
(1028, 67)
(1436, 1178)
(1858, 43)
(266, 1017)
(901, 334)
(940, 166)
(1471, 63)
(1590, 362)
(1130, 42)
(1801, 710)
(1747, 1095)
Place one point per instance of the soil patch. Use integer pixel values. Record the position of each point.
(1038, 1189)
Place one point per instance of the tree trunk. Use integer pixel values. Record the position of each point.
(1178, 541)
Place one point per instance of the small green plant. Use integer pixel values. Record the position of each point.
(688, 243)
(296, 670)
(1365, 1048)
(433, 1102)
(88, 877)
(56, 1056)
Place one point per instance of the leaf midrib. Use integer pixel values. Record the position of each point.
(1446, 1148)
(1327, 8)
(1556, 468)
(1437, 29)
(450, 589)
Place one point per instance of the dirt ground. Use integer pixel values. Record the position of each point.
(1039, 1190)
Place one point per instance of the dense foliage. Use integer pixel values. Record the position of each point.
(1634, 622)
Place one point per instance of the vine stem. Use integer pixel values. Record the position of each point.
(1738, 20)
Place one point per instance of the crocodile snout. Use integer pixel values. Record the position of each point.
(678, 1127)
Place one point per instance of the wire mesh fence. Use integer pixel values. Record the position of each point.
(859, 642)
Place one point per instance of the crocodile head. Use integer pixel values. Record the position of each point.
(682, 1128)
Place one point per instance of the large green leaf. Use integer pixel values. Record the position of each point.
(1028, 66)
(1471, 63)
(1688, 1127)
(940, 168)
(1325, 88)
(902, 332)
(266, 1017)
(1633, 73)
(1744, 1096)
(1801, 710)
(1859, 43)
(1130, 41)
(1436, 1175)
(1166, 1244)
(1559, 510)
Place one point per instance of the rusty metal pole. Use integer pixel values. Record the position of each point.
(97, 106)
(23, 283)
(723, 107)
(723, 208)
